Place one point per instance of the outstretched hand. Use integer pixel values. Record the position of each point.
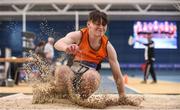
(138, 41)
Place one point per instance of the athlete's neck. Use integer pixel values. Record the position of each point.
(95, 42)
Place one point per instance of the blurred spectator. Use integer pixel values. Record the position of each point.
(49, 50)
(40, 49)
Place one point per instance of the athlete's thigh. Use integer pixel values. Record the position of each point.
(63, 74)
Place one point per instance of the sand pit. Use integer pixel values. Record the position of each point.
(46, 95)
(21, 101)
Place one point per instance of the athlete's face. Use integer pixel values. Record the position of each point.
(97, 29)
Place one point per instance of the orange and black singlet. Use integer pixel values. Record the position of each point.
(87, 53)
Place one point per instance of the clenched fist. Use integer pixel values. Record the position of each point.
(72, 49)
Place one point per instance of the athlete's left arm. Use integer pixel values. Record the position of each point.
(115, 67)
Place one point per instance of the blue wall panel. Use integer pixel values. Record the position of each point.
(118, 31)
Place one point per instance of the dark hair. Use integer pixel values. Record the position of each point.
(41, 43)
(98, 17)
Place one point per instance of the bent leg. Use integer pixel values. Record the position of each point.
(63, 74)
(89, 83)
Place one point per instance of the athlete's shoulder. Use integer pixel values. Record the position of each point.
(84, 29)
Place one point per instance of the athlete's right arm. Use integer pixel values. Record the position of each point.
(69, 43)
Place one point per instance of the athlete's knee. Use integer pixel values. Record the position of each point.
(91, 75)
(62, 75)
(89, 83)
(62, 68)
(62, 71)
